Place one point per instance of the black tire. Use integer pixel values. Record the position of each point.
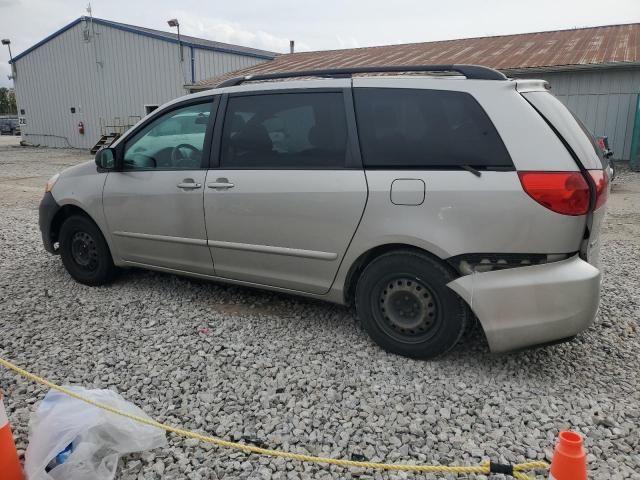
(84, 251)
(405, 306)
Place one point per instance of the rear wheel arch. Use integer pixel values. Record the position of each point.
(403, 302)
(367, 257)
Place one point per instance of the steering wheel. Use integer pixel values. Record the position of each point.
(179, 159)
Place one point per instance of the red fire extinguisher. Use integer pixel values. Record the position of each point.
(81, 128)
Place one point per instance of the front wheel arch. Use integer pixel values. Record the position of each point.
(61, 215)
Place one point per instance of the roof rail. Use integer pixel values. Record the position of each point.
(474, 72)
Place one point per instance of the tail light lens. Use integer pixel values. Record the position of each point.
(601, 181)
(563, 192)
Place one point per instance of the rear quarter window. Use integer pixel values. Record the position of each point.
(408, 128)
(569, 127)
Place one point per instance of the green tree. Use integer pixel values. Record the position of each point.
(8, 101)
(13, 106)
(4, 100)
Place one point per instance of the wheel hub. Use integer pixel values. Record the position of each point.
(408, 307)
(84, 250)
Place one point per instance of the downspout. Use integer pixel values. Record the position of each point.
(193, 66)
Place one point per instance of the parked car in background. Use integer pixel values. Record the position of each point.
(423, 200)
(9, 126)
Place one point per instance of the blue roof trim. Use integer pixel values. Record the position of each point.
(130, 29)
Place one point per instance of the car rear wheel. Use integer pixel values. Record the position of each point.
(404, 304)
(84, 251)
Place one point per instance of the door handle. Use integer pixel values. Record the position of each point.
(221, 184)
(189, 185)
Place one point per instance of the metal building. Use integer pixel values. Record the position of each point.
(605, 99)
(594, 71)
(96, 77)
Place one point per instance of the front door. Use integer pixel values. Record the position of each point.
(153, 206)
(286, 200)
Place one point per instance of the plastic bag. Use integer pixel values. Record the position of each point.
(95, 438)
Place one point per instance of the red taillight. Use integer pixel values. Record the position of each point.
(563, 192)
(601, 181)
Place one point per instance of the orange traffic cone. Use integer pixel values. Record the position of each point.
(9, 462)
(569, 458)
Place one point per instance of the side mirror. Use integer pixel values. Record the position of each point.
(106, 159)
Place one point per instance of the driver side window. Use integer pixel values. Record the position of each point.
(174, 141)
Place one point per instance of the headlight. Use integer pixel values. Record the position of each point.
(52, 181)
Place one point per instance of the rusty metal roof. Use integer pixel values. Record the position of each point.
(607, 45)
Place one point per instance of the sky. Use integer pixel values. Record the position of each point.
(313, 24)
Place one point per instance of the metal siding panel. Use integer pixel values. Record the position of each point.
(612, 115)
(574, 104)
(601, 115)
(574, 83)
(561, 83)
(590, 115)
(603, 84)
(42, 94)
(628, 138)
(210, 64)
(622, 124)
(626, 81)
(603, 100)
(581, 109)
(563, 98)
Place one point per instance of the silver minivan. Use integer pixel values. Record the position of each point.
(424, 199)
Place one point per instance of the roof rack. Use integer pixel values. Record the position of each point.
(474, 72)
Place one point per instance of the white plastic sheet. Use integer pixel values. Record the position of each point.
(98, 438)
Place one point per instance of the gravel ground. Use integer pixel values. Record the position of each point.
(302, 375)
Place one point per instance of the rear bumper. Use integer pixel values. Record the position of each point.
(525, 306)
(47, 211)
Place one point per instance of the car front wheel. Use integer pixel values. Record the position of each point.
(404, 304)
(84, 251)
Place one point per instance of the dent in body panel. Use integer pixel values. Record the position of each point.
(461, 214)
(525, 306)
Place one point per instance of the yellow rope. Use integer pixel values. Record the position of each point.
(483, 469)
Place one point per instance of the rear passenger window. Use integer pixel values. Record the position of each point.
(296, 130)
(403, 128)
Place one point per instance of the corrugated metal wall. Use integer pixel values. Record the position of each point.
(211, 64)
(114, 75)
(605, 100)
